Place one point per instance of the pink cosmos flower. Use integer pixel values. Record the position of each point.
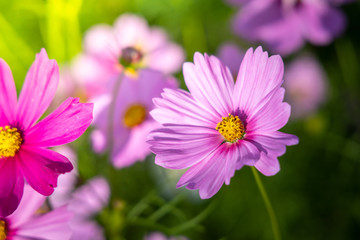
(305, 85)
(24, 143)
(84, 202)
(231, 55)
(28, 223)
(285, 25)
(130, 120)
(130, 45)
(220, 126)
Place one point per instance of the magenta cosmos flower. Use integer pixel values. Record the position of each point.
(305, 84)
(285, 25)
(123, 123)
(23, 143)
(220, 126)
(29, 223)
(130, 45)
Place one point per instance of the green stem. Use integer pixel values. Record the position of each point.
(269, 208)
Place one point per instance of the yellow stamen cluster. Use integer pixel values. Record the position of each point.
(10, 141)
(231, 128)
(2, 230)
(134, 115)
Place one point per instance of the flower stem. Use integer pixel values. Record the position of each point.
(269, 208)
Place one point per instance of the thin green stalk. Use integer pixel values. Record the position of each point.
(269, 208)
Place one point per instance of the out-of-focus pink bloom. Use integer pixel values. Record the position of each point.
(83, 202)
(24, 143)
(130, 45)
(231, 56)
(285, 25)
(220, 126)
(130, 120)
(27, 223)
(305, 85)
(161, 236)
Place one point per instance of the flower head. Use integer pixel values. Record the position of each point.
(285, 25)
(128, 117)
(126, 47)
(220, 126)
(24, 143)
(28, 222)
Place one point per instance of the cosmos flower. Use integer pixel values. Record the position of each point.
(24, 143)
(128, 46)
(305, 85)
(220, 126)
(126, 131)
(84, 202)
(28, 222)
(231, 55)
(285, 25)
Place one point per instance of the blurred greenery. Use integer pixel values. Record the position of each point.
(316, 195)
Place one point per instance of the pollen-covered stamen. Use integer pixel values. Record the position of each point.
(130, 56)
(2, 230)
(134, 115)
(10, 141)
(231, 128)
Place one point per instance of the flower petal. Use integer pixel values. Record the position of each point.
(210, 83)
(67, 123)
(53, 225)
(11, 186)
(258, 76)
(38, 90)
(41, 168)
(210, 174)
(268, 165)
(7, 94)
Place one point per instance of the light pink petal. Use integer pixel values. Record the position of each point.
(210, 83)
(248, 152)
(258, 76)
(136, 147)
(30, 203)
(86, 230)
(268, 165)
(182, 146)
(178, 106)
(41, 168)
(168, 58)
(67, 123)
(11, 186)
(38, 90)
(212, 172)
(90, 198)
(53, 225)
(7, 95)
(320, 22)
(100, 42)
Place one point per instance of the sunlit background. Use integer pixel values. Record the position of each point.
(316, 195)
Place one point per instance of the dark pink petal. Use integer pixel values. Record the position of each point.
(29, 204)
(53, 225)
(320, 22)
(41, 168)
(210, 83)
(11, 186)
(38, 90)
(182, 146)
(67, 123)
(7, 94)
(258, 76)
(210, 174)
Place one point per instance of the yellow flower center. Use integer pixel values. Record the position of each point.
(134, 115)
(2, 230)
(10, 141)
(231, 128)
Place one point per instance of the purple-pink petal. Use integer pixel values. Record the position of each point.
(38, 90)
(8, 99)
(67, 123)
